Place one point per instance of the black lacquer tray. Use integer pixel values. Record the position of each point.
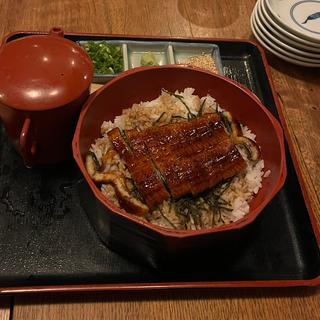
(48, 244)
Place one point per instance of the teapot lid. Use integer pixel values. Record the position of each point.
(42, 72)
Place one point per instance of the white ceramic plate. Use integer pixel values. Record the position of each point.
(279, 28)
(301, 17)
(279, 49)
(260, 16)
(274, 38)
(276, 53)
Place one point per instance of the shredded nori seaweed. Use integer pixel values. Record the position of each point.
(180, 97)
(167, 219)
(187, 207)
(201, 108)
(159, 118)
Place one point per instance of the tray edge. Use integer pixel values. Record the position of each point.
(160, 286)
(187, 285)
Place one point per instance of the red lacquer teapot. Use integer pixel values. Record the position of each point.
(44, 81)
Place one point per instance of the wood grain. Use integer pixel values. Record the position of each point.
(298, 89)
(241, 304)
(5, 303)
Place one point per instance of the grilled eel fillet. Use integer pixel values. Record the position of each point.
(178, 159)
(141, 168)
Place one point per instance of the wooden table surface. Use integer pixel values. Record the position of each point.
(299, 91)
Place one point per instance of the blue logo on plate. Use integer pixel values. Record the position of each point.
(303, 24)
(312, 17)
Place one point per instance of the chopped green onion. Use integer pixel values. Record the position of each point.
(106, 58)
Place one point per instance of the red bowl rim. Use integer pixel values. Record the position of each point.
(239, 224)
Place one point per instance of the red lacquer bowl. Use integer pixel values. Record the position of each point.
(122, 230)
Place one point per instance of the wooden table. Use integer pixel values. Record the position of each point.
(299, 91)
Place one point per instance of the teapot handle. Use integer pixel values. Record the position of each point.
(28, 150)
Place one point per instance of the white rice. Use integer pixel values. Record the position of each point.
(164, 110)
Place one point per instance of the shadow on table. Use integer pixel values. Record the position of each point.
(200, 12)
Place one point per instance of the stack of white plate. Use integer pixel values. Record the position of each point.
(290, 29)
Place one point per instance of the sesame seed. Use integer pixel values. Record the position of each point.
(203, 61)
